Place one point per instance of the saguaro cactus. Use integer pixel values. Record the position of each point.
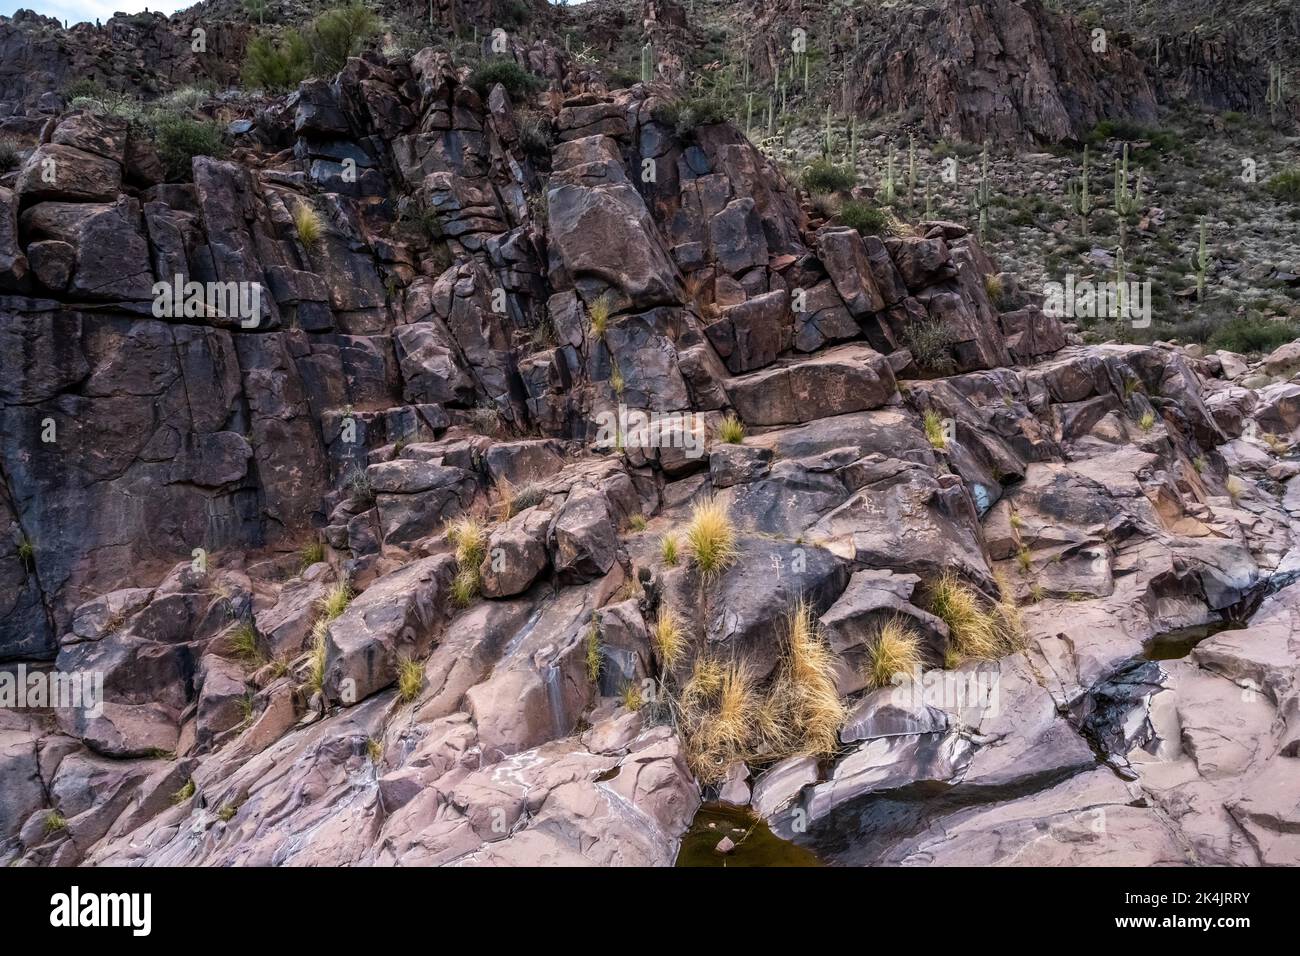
(889, 184)
(647, 62)
(1276, 96)
(1121, 285)
(1201, 263)
(1080, 200)
(1128, 199)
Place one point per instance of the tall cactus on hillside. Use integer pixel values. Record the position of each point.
(1121, 285)
(1276, 96)
(1080, 200)
(889, 185)
(647, 63)
(1128, 199)
(1201, 263)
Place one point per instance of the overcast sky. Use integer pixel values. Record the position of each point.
(75, 11)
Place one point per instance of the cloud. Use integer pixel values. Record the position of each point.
(88, 11)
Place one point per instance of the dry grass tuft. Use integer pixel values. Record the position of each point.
(724, 715)
(932, 422)
(718, 715)
(335, 601)
(711, 538)
(976, 629)
(895, 650)
(470, 538)
(307, 223)
(804, 704)
(410, 678)
(669, 639)
(732, 430)
(598, 311)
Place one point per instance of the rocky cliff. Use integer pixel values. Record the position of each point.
(369, 578)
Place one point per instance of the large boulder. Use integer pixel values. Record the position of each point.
(848, 378)
(398, 617)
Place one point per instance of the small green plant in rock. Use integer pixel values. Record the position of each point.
(178, 139)
(275, 64)
(732, 430)
(935, 433)
(313, 552)
(824, 176)
(593, 654)
(410, 678)
(864, 217)
(517, 81)
(1285, 185)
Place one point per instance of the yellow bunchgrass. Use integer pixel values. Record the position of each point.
(410, 678)
(711, 538)
(932, 422)
(896, 649)
(470, 538)
(732, 430)
(599, 313)
(668, 547)
(806, 708)
(669, 639)
(725, 716)
(307, 223)
(977, 628)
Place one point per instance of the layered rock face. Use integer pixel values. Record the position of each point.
(249, 515)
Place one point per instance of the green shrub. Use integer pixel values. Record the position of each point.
(1285, 185)
(83, 88)
(1253, 334)
(864, 217)
(276, 66)
(700, 111)
(823, 176)
(179, 139)
(1161, 140)
(184, 99)
(338, 34)
(517, 81)
(930, 343)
